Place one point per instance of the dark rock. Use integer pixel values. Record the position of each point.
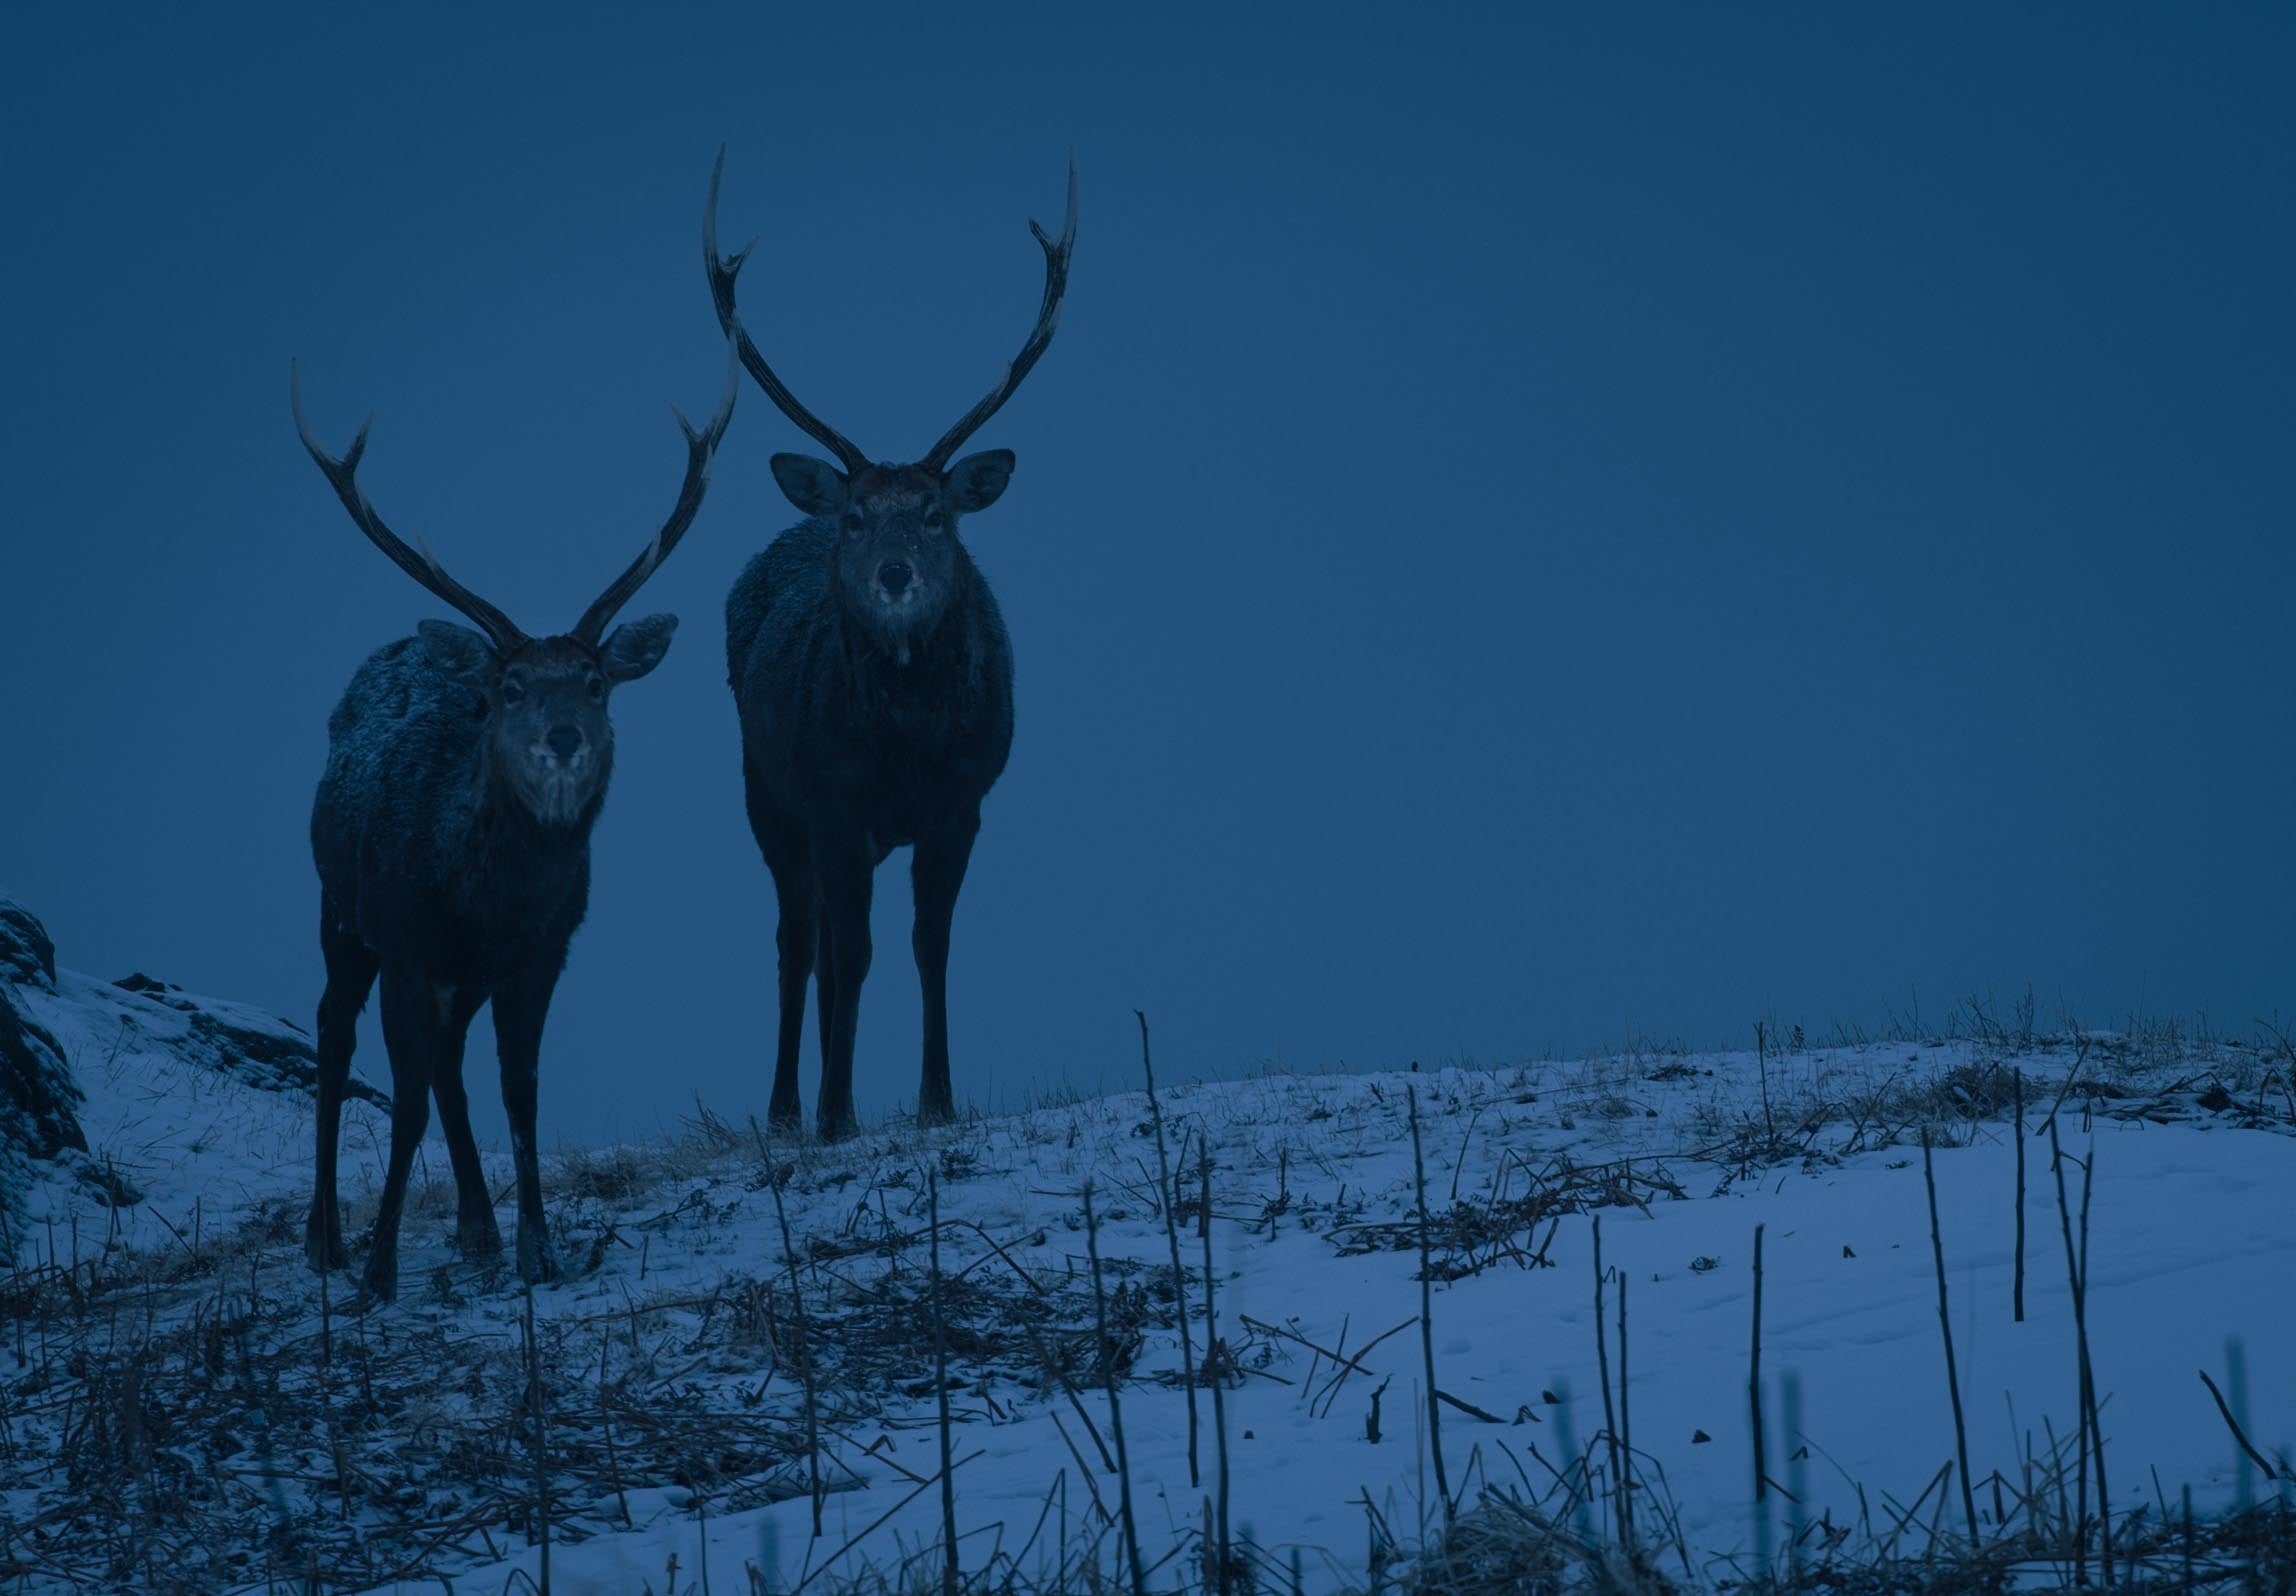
(38, 1097)
(39, 1101)
(26, 954)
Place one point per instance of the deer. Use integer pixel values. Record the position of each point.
(872, 677)
(451, 830)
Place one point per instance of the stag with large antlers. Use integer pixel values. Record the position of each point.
(465, 770)
(873, 677)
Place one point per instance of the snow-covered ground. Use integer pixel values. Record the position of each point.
(177, 1109)
(398, 1446)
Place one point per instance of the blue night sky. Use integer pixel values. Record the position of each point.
(1539, 527)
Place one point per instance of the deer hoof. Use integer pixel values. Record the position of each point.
(536, 1266)
(479, 1239)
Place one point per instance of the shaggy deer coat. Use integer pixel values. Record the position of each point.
(873, 678)
(451, 830)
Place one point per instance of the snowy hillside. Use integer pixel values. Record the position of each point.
(207, 1416)
(142, 1107)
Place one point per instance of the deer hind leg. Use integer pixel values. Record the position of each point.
(350, 977)
(795, 937)
(411, 1034)
(824, 980)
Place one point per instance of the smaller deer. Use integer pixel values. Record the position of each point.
(873, 679)
(465, 770)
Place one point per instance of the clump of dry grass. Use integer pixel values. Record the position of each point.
(195, 1421)
(1513, 1219)
(1498, 1547)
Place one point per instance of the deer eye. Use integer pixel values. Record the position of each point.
(851, 522)
(513, 690)
(597, 689)
(936, 518)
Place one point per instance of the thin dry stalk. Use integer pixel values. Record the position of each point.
(1754, 1379)
(2238, 1434)
(1172, 1240)
(1060, 1377)
(2081, 1385)
(804, 1357)
(941, 1389)
(541, 1443)
(1762, 1068)
(2092, 1435)
(1625, 1431)
(1427, 1314)
(1130, 1528)
(2018, 1085)
(1215, 1365)
(1602, 1373)
(1945, 1324)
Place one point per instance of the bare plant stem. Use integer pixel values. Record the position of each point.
(1172, 1239)
(1215, 1366)
(1130, 1529)
(1625, 1431)
(2081, 1389)
(2019, 1292)
(2092, 1439)
(1602, 1373)
(2071, 1075)
(2238, 1434)
(941, 1387)
(1762, 1067)
(541, 1443)
(804, 1356)
(1754, 1379)
(1427, 1314)
(1945, 1324)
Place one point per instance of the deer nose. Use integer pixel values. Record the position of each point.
(565, 741)
(893, 576)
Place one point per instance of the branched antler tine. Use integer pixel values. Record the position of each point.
(343, 476)
(722, 271)
(701, 448)
(1056, 255)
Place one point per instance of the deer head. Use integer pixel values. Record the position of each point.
(544, 698)
(897, 561)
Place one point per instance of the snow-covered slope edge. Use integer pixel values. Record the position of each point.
(129, 1106)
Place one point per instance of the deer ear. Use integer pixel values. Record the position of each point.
(978, 480)
(458, 651)
(814, 486)
(636, 647)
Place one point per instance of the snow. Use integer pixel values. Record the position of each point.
(2192, 1260)
(209, 1137)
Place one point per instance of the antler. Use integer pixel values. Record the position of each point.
(700, 448)
(1056, 253)
(343, 476)
(722, 272)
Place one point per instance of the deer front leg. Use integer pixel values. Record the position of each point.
(844, 880)
(520, 1006)
(937, 870)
